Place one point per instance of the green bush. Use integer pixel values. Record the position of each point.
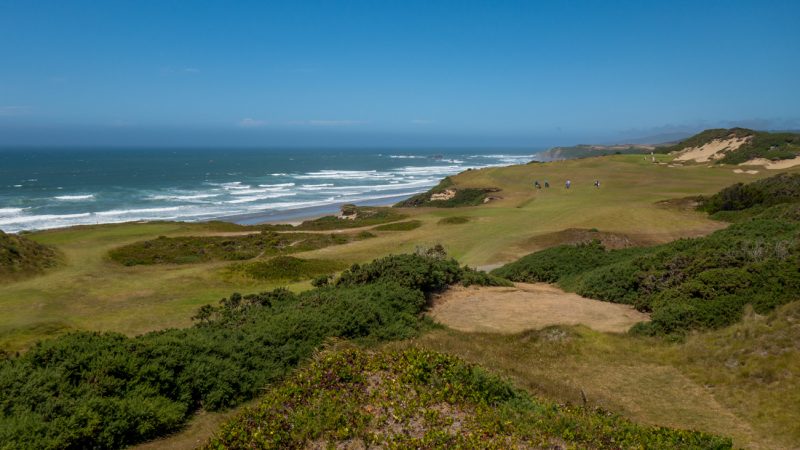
(781, 188)
(422, 399)
(400, 226)
(197, 249)
(21, 257)
(105, 390)
(286, 268)
(462, 197)
(687, 284)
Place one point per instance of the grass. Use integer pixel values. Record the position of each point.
(285, 269)
(399, 226)
(21, 257)
(713, 382)
(91, 292)
(421, 399)
(453, 220)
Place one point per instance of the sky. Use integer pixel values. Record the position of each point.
(392, 73)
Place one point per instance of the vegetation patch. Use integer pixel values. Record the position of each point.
(454, 220)
(196, 249)
(690, 283)
(762, 144)
(105, 390)
(574, 236)
(352, 217)
(446, 195)
(286, 268)
(21, 257)
(400, 226)
(781, 188)
(422, 399)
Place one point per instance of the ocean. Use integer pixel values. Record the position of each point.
(50, 188)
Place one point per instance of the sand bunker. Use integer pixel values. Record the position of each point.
(773, 165)
(711, 151)
(528, 306)
(750, 172)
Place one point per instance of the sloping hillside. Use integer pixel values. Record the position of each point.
(423, 399)
(739, 146)
(587, 151)
(21, 257)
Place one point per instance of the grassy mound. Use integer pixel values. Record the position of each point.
(399, 226)
(423, 399)
(21, 257)
(687, 284)
(455, 220)
(286, 268)
(461, 196)
(756, 364)
(196, 249)
(762, 144)
(363, 216)
(105, 390)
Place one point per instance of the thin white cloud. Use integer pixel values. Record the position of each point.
(252, 123)
(327, 123)
(7, 111)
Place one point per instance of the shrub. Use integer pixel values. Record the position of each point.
(399, 226)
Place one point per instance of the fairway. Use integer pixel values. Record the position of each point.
(528, 306)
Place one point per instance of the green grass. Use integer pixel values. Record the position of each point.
(421, 399)
(195, 249)
(285, 268)
(88, 291)
(399, 226)
(453, 220)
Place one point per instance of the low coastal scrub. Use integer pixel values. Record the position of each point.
(690, 283)
(285, 268)
(352, 217)
(446, 195)
(455, 220)
(399, 226)
(106, 390)
(781, 188)
(196, 249)
(423, 399)
(761, 144)
(21, 257)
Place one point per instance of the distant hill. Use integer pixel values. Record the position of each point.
(739, 146)
(587, 151)
(21, 257)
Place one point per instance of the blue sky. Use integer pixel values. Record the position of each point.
(386, 73)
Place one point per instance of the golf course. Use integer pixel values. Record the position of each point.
(540, 327)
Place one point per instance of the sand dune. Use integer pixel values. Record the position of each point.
(712, 150)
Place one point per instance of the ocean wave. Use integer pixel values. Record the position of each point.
(11, 211)
(279, 185)
(74, 197)
(255, 198)
(46, 218)
(180, 197)
(344, 175)
(139, 211)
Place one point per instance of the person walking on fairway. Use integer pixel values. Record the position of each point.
(597, 183)
(568, 184)
(546, 184)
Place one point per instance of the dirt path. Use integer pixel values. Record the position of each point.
(528, 306)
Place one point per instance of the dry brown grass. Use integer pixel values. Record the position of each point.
(528, 306)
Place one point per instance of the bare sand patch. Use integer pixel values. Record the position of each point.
(749, 172)
(711, 150)
(773, 165)
(528, 306)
